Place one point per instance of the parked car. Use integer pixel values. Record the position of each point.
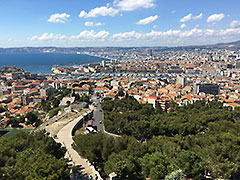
(55, 136)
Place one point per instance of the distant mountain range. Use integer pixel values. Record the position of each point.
(231, 45)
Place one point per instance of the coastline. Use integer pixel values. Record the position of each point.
(107, 58)
(42, 63)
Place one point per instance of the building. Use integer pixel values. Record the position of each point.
(103, 63)
(232, 105)
(153, 100)
(179, 71)
(83, 91)
(238, 64)
(207, 88)
(115, 83)
(181, 80)
(150, 52)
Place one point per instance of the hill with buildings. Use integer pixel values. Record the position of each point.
(53, 49)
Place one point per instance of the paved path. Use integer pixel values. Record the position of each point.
(98, 116)
(65, 137)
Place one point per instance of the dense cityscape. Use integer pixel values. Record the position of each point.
(119, 90)
(155, 77)
(163, 79)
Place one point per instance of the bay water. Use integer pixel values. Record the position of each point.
(42, 63)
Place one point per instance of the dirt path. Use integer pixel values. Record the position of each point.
(55, 124)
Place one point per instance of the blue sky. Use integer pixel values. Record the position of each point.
(118, 22)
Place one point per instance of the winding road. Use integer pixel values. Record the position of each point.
(65, 137)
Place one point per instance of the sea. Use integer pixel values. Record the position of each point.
(42, 63)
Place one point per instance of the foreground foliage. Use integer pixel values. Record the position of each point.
(32, 156)
(190, 141)
(30, 118)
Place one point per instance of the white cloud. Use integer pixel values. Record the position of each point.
(192, 33)
(126, 36)
(49, 36)
(90, 36)
(183, 26)
(160, 34)
(98, 24)
(99, 11)
(131, 5)
(84, 36)
(148, 20)
(89, 24)
(190, 17)
(83, 14)
(154, 26)
(119, 5)
(59, 18)
(215, 18)
(193, 36)
(173, 11)
(171, 38)
(235, 24)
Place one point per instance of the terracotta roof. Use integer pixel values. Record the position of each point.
(81, 88)
(233, 104)
(152, 97)
(6, 119)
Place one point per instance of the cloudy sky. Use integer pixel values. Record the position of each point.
(118, 22)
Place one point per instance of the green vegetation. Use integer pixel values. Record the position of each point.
(50, 105)
(121, 93)
(176, 175)
(53, 112)
(187, 142)
(2, 132)
(112, 154)
(54, 100)
(34, 156)
(13, 132)
(2, 109)
(79, 98)
(9, 83)
(129, 117)
(30, 118)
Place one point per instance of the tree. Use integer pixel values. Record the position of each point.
(53, 112)
(34, 156)
(121, 93)
(191, 164)
(176, 175)
(32, 118)
(56, 103)
(2, 109)
(198, 138)
(31, 164)
(68, 103)
(123, 165)
(45, 105)
(156, 166)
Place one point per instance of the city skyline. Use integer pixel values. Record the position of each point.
(118, 23)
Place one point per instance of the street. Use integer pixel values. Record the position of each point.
(98, 115)
(65, 138)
